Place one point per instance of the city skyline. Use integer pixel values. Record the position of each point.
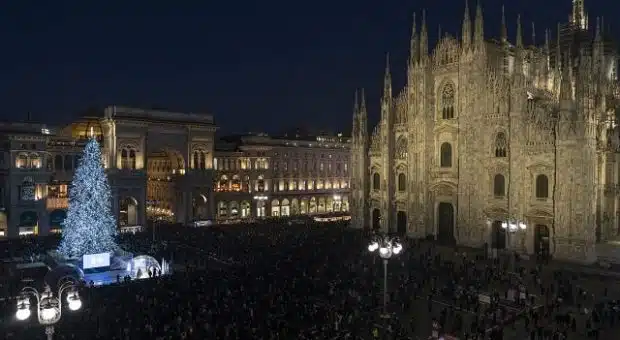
(251, 67)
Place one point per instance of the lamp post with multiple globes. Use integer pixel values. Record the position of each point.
(49, 307)
(387, 247)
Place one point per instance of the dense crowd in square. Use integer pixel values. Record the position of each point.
(318, 281)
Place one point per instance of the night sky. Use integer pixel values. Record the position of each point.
(254, 65)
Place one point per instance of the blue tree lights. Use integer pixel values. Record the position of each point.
(90, 227)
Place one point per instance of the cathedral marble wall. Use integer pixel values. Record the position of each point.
(494, 143)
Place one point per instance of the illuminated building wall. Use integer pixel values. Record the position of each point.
(262, 176)
(159, 165)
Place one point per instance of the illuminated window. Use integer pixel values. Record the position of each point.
(21, 161)
(235, 183)
(128, 158)
(199, 159)
(222, 184)
(260, 184)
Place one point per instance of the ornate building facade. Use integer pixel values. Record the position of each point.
(159, 166)
(260, 176)
(496, 142)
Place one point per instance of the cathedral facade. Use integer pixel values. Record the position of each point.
(509, 144)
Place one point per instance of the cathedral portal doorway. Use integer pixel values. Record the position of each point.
(401, 222)
(541, 240)
(498, 235)
(445, 223)
(376, 219)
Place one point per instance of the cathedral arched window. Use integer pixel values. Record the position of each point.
(542, 186)
(499, 185)
(501, 145)
(401, 149)
(402, 182)
(445, 156)
(376, 181)
(447, 101)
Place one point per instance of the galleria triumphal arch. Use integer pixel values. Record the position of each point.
(159, 163)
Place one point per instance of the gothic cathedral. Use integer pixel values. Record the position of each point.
(511, 145)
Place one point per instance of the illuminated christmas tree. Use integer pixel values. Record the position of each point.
(90, 227)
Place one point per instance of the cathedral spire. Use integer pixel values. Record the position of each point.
(414, 46)
(518, 63)
(533, 34)
(356, 104)
(579, 17)
(479, 29)
(387, 79)
(519, 40)
(356, 109)
(363, 116)
(504, 30)
(466, 29)
(558, 51)
(424, 39)
(546, 52)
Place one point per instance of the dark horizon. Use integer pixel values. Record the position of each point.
(254, 66)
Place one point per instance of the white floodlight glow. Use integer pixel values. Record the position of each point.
(22, 313)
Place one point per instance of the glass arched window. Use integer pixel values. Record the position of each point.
(402, 182)
(376, 181)
(447, 101)
(499, 185)
(401, 149)
(501, 145)
(445, 157)
(542, 186)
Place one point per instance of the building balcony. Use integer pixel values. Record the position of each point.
(127, 172)
(40, 170)
(57, 203)
(30, 204)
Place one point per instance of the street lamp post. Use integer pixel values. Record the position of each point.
(49, 307)
(512, 227)
(387, 247)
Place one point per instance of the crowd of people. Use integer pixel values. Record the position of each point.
(318, 281)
